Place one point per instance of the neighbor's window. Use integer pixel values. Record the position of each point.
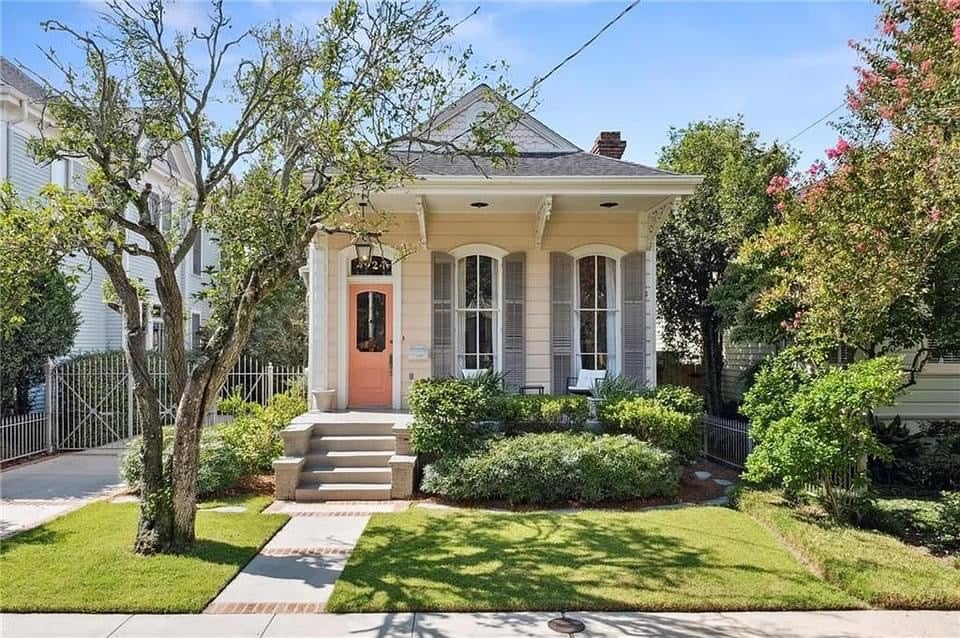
(477, 306)
(596, 312)
(198, 252)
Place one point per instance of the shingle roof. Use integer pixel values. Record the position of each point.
(12, 75)
(576, 164)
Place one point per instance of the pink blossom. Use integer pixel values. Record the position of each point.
(895, 67)
(837, 151)
(868, 79)
(929, 83)
(956, 31)
(926, 65)
(778, 184)
(889, 26)
(935, 215)
(817, 168)
(901, 82)
(779, 206)
(951, 5)
(886, 113)
(854, 102)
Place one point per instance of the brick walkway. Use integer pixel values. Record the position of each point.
(295, 572)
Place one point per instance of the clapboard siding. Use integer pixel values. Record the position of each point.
(739, 359)
(26, 175)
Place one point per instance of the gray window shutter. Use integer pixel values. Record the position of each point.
(561, 320)
(27, 176)
(514, 355)
(441, 350)
(634, 323)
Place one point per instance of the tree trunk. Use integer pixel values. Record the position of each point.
(712, 354)
(186, 462)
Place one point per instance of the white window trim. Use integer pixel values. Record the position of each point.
(497, 254)
(617, 255)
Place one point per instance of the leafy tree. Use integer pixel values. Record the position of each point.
(49, 324)
(698, 241)
(279, 333)
(320, 118)
(865, 251)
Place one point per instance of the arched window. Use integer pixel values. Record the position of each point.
(478, 305)
(596, 312)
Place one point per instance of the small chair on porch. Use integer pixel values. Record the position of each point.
(586, 381)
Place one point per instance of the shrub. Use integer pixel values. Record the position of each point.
(255, 431)
(950, 517)
(679, 398)
(926, 457)
(540, 413)
(220, 465)
(820, 434)
(444, 412)
(615, 387)
(555, 467)
(661, 426)
(236, 406)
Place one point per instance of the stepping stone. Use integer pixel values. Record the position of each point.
(703, 476)
(723, 482)
(228, 509)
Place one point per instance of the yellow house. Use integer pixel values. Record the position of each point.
(540, 270)
(544, 270)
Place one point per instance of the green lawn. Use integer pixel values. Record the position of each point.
(874, 567)
(83, 561)
(704, 558)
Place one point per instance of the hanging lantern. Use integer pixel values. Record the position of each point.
(364, 248)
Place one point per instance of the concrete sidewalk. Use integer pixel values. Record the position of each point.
(34, 493)
(846, 624)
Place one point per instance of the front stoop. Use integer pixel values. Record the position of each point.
(346, 456)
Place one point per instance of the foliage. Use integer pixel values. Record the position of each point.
(220, 464)
(445, 411)
(49, 324)
(320, 117)
(703, 234)
(89, 566)
(685, 559)
(926, 456)
(613, 387)
(821, 433)
(679, 398)
(651, 421)
(875, 568)
(279, 333)
(540, 413)
(932, 523)
(255, 432)
(866, 249)
(555, 467)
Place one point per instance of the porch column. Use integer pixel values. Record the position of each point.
(650, 352)
(317, 322)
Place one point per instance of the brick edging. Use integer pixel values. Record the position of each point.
(264, 608)
(306, 551)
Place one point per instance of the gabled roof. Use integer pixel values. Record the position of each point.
(542, 152)
(13, 76)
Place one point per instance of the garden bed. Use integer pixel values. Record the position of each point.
(83, 561)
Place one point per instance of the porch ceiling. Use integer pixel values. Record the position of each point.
(528, 203)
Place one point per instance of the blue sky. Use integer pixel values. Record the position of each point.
(781, 64)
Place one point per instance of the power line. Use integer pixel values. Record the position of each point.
(817, 121)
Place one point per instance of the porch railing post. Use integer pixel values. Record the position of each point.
(269, 390)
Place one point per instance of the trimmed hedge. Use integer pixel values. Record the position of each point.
(555, 467)
(540, 412)
(651, 421)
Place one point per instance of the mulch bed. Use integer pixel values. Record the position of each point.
(692, 490)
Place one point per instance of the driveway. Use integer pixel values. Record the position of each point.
(37, 492)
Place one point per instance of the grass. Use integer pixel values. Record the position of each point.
(916, 521)
(83, 562)
(874, 567)
(703, 558)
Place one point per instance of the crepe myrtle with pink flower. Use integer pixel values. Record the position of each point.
(865, 250)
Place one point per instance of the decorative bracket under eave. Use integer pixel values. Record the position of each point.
(658, 215)
(543, 215)
(422, 220)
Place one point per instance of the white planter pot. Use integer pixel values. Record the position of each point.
(323, 400)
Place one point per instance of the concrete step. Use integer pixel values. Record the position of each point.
(348, 458)
(374, 442)
(330, 475)
(344, 492)
(356, 429)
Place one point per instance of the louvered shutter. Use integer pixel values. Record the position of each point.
(634, 322)
(514, 355)
(561, 320)
(441, 350)
(27, 176)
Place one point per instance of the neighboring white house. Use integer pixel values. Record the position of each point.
(20, 114)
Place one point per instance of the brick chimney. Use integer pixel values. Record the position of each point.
(608, 143)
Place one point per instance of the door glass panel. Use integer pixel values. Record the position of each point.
(371, 322)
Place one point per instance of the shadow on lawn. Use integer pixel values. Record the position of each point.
(537, 561)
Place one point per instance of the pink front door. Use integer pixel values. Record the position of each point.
(371, 345)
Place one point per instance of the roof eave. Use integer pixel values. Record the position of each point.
(558, 184)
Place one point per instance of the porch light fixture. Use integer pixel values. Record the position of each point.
(363, 246)
(609, 205)
(479, 204)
